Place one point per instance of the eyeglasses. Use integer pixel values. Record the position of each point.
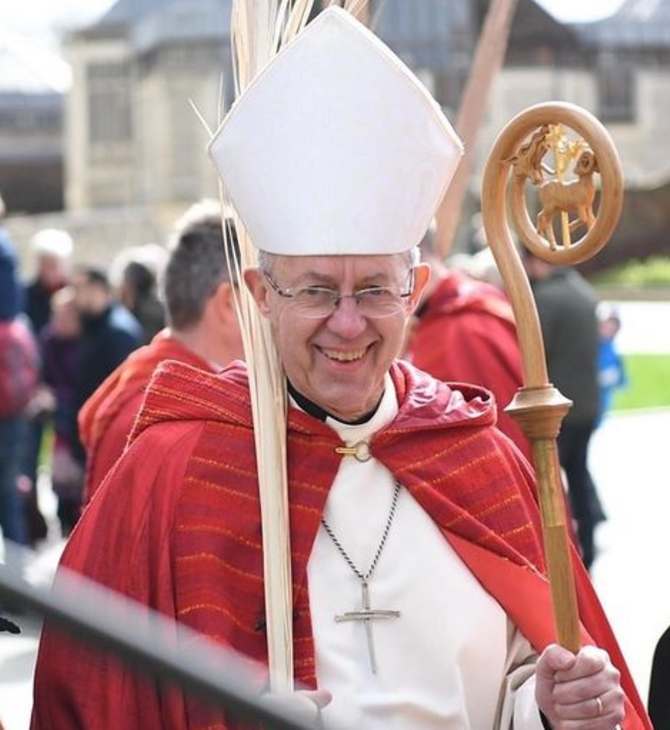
(319, 302)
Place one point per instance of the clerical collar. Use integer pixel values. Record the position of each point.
(316, 411)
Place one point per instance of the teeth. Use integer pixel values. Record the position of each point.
(344, 356)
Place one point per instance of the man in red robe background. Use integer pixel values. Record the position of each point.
(203, 331)
(464, 332)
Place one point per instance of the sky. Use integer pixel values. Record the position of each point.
(30, 33)
(47, 18)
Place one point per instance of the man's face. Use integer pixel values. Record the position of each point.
(338, 362)
(51, 271)
(90, 298)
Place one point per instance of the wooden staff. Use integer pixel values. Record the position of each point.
(538, 407)
(486, 63)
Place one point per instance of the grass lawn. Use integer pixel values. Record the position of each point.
(648, 383)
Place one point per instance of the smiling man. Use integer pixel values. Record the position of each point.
(338, 346)
(419, 594)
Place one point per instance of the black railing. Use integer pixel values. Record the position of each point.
(152, 644)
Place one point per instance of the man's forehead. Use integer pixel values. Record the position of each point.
(335, 266)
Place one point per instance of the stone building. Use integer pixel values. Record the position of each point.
(135, 149)
(132, 137)
(31, 116)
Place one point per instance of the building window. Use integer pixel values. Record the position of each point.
(616, 91)
(109, 108)
(433, 35)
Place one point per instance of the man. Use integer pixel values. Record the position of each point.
(566, 307)
(464, 332)
(136, 272)
(402, 497)
(52, 251)
(109, 334)
(202, 331)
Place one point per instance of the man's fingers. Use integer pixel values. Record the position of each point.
(305, 703)
(320, 697)
(581, 690)
(607, 706)
(555, 659)
(590, 660)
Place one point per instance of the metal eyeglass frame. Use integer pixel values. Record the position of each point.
(336, 297)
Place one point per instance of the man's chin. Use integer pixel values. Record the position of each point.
(347, 404)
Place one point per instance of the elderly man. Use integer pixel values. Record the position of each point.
(419, 598)
(52, 250)
(202, 331)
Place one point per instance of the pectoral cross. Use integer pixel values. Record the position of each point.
(367, 615)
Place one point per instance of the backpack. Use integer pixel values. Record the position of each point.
(19, 367)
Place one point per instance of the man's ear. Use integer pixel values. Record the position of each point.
(259, 288)
(225, 299)
(421, 278)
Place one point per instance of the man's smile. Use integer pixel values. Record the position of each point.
(343, 355)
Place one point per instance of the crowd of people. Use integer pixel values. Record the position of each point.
(63, 333)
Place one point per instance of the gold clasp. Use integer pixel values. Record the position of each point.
(360, 451)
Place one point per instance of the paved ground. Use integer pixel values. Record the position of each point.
(628, 461)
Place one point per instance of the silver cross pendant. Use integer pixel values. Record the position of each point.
(367, 615)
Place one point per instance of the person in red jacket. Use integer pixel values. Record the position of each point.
(202, 331)
(464, 332)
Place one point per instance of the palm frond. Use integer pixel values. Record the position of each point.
(297, 19)
(259, 29)
(356, 7)
(201, 117)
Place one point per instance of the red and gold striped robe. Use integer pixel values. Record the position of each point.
(176, 526)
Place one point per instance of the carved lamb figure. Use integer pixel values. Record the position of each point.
(576, 196)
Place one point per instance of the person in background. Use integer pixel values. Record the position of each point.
(135, 274)
(659, 681)
(566, 306)
(19, 370)
(203, 332)
(60, 345)
(463, 331)
(611, 368)
(52, 251)
(109, 334)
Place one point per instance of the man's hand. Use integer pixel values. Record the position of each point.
(306, 704)
(579, 691)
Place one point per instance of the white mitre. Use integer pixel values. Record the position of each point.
(336, 147)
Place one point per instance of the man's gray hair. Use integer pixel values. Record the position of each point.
(265, 261)
(428, 243)
(197, 263)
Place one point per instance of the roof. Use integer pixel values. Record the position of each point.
(129, 12)
(637, 23)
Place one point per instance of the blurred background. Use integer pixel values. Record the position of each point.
(98, 136)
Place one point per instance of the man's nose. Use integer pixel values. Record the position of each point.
(347, 321)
